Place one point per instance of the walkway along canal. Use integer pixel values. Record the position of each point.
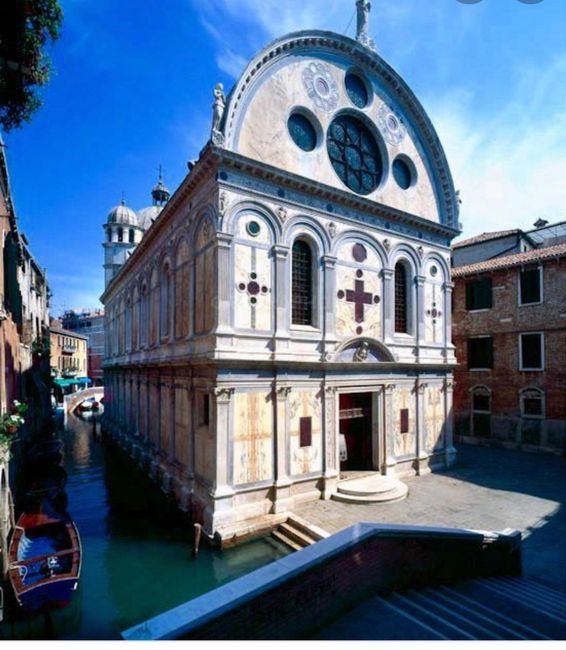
(137, 548)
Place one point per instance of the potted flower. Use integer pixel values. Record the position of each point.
(9, 424)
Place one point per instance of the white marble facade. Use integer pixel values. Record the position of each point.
(209, 382)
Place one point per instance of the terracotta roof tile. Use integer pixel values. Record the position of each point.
(485, 236)
(509, 261)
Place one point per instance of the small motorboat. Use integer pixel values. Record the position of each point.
(44, 560)
(46, 452)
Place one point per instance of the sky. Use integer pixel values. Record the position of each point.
(132, 89)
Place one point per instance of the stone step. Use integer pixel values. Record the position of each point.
(286, 540)
(296, 535)
(368, 485)
(396, 494)
(314, 532)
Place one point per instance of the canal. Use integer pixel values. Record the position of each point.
(137, 559)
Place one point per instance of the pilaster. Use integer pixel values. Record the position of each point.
(282, 292)
(388, 305)
(448, 291)
(422, 466)
(282, 496)
(331, 460)
(329, 275)
(224, 288)
(420, 315)
(223, 422)
(450, 451)
(390, 462)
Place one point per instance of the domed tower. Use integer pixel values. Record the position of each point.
(160, 195)
(122, 235)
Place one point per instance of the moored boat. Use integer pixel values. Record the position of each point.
(48, 451)
(44, 560)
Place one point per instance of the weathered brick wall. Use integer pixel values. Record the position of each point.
(504, 322)
(300, 605)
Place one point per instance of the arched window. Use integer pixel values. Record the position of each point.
(182, 290)
(135, 319)
(401, 299)
(481, 411)
(164, 306)
(109, 234)
(132, 236)
(154, 308)
(120, 234)
(128, 325)
(144, 321)
(302, 284)
(532, 403)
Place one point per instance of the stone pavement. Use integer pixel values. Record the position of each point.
(488, 489)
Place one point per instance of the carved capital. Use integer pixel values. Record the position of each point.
(421, 387)
(329, 261)
(388, 274)
(448, 287)
(330, 390)
(224, 240)
(420, 280)
(448, 385)
(280, 252)
(283, 392)
(390, 389)
(223, 394)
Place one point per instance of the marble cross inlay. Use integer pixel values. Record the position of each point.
(359, 297)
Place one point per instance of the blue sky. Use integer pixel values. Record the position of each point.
(133, 83)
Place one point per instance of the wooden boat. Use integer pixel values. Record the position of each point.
(46, 452)
(44, 560)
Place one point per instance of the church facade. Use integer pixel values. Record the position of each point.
(287, 318)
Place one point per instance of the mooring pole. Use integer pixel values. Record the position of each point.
(196, 543)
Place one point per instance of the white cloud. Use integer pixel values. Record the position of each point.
(509, 166)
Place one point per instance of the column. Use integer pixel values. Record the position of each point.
(388, 305)
(282, 291)
(390, 430)
(224, 282)
(329, 267)
(450, 451)
(422, 455)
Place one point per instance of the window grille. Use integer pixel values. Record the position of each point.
(302, 290)
(401, 320)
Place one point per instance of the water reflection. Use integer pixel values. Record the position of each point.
(137, 558)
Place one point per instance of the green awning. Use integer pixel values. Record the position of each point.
(63, 383)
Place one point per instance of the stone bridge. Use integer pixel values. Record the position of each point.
(74, 399)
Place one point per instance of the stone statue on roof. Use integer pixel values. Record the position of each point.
(362, 32)
(218, 109)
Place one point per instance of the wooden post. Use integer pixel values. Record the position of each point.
(196, 542)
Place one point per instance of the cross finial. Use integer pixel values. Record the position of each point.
(362, 32)
(160, 170)
(123, 201)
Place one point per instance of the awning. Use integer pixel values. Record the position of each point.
(63, 383)
(84, 380)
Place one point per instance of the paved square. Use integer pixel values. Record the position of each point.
(488, 489)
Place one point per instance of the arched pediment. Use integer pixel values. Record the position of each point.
(276, 84)
(363, 350)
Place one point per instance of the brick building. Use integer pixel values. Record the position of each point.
(510, 335)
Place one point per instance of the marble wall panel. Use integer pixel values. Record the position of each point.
(305, 460)
(346, 324)
(253, 437)
(434, 418)
(405, 444)
(182, 425)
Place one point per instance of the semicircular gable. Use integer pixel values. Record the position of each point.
(305, 74)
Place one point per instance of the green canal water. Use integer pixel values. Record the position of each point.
(137, 559)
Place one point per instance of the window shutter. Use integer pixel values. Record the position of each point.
(305, 429)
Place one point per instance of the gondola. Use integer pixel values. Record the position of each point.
(44, 560)
(46, 452)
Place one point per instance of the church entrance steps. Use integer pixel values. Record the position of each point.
(371, 489)
(297, 533)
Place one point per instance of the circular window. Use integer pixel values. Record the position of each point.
(253, 228)
(434, 271)
(403, 173)
(354, 154)
(357, 90)
(302, 131)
